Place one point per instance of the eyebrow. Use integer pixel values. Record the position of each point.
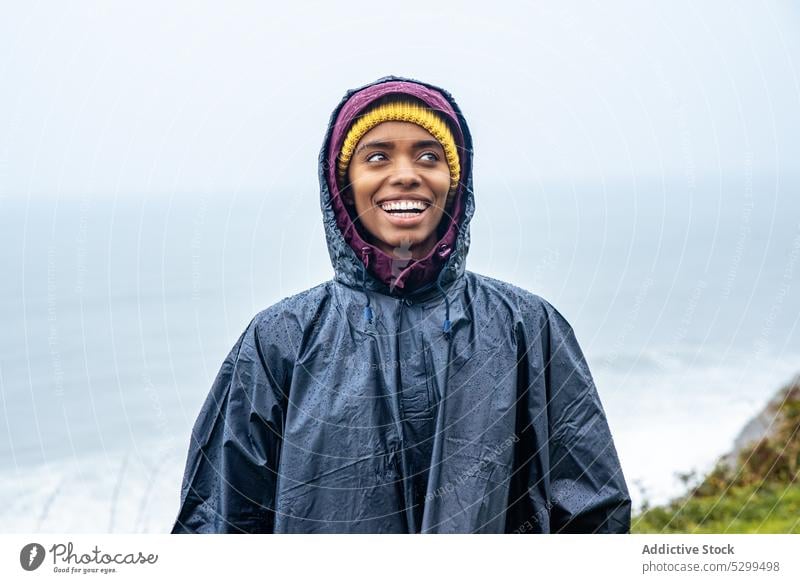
(389, 145)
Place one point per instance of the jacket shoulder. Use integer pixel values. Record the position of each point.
(296, 306)
(284, 321)
(526, 304)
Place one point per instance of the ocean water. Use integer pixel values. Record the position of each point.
(118, 310)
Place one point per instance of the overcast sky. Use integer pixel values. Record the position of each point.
(102, 98)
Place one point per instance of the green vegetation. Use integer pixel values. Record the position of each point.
(759, 493)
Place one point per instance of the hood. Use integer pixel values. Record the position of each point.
(358, 263)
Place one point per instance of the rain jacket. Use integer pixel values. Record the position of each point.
(461, 404)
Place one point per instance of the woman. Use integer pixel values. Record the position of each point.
(407, 394)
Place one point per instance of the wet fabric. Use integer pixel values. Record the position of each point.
(461, 405)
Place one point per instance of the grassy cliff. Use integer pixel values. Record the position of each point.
(754, 489)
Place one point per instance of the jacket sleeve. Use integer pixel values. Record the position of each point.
(230, 476)
(588, 493)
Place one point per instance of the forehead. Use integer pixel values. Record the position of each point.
(396, 130)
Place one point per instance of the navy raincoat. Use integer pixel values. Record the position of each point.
(464, 405)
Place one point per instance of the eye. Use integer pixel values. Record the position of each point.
(371, 157)
(432, 157)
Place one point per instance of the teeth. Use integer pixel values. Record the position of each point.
(403, 205)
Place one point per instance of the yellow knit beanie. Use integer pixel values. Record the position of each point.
(403, 110)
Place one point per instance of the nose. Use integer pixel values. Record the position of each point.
(405, 175)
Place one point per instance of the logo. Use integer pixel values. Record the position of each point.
(31, 556)
(400, 260)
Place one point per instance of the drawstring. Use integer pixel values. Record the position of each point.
(367, 309)
(446, 323)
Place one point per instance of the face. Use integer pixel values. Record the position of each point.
(398, 184)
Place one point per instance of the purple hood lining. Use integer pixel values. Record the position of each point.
(396, 273)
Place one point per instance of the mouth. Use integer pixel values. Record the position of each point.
(404, 211)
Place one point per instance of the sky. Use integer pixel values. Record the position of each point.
(107, 99)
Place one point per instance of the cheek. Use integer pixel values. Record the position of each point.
(436, 216)
(440, 182)
(362, 187)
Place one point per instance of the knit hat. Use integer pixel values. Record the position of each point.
(402, 108)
